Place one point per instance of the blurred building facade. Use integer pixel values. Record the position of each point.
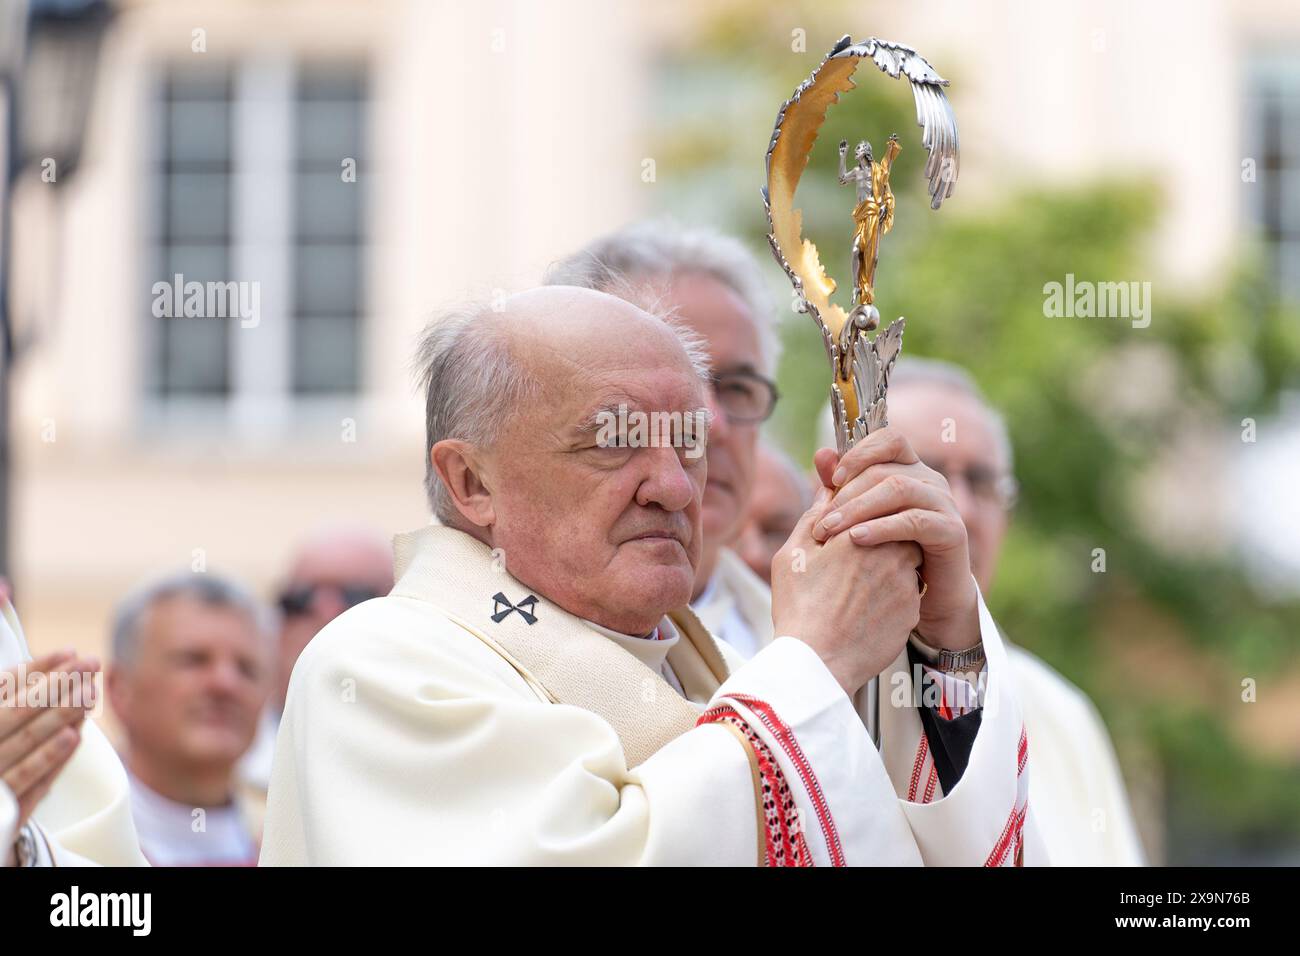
(486, 140)
(355, 165)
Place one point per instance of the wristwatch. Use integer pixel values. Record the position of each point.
(971, 659)
(25, 847)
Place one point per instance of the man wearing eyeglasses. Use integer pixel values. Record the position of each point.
(1080, 802)
(1081, 805)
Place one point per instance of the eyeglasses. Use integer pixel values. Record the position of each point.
(747, 398)
(987, 484)
(299, 600)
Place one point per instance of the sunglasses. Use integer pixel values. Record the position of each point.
(299, 600)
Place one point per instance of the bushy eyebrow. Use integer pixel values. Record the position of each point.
(592, 423)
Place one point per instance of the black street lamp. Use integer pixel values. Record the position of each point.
(57, 83)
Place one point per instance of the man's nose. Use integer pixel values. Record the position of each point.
(668, 484)
(224, 677)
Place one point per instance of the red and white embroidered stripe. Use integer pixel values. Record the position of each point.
(931, 784)
(922, 749)
(923, 768)
(1013, 831)
(783, 839)
(794, 753)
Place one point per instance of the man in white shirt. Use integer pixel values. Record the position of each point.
(190, 673)
(1082, 806)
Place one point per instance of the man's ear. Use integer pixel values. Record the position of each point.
(460, 467)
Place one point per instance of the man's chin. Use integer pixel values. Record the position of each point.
(217, 746)
(661, 575)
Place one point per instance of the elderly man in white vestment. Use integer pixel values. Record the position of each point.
(536, 691)
(64, 799)
(712, 282)
(714, 287)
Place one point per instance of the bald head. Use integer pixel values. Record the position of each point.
(331, 570)
(574, 320)
(343, 553)
(601, 518)
(481, 364)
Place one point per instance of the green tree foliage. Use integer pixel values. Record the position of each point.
(1097, 410)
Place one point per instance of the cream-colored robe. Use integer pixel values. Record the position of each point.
(1078, 793)
(419, 729)
(86, 816)
(1076, 790)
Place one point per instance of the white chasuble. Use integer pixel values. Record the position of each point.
(86, 815)
(986, 819)
(466, 719)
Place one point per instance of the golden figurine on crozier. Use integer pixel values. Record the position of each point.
(873, 217)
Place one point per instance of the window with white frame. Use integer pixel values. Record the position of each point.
(1273, 137)
(257, 185)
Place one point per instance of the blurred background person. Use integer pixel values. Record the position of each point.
(712, 285)
(190, 673)
(1076, 788)
(782, 493)
(332, 570)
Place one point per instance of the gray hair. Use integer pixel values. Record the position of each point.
(662, 249)
(472, 382)
(209, 589)
(935, 372)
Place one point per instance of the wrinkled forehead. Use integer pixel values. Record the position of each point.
(648, 368)
(585, 351)
(608, 395)
(186, 620)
